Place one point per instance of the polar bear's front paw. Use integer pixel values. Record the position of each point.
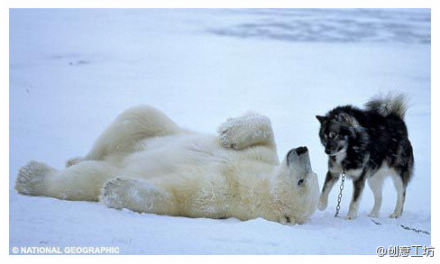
(227, 140)
(231, 133)
(248, 130)
(30, 178)
(113, 192)
(136, 195)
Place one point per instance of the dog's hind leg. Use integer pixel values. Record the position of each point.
(402, 170)
(376, 184)
(127, 130)
(358, 187)
(401, 193)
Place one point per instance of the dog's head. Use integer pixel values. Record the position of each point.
(336, 131)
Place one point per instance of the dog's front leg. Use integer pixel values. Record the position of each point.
(358, 187)
(330, 181)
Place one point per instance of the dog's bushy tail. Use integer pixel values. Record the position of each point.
(389, 104)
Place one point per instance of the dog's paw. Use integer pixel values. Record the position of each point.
(395, 215)
(30, 178)
(373, 214)
(351, 215)
(322, 204)
(73, 161)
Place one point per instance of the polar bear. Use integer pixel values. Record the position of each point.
(145, 162)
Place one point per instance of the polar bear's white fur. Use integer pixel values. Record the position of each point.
(145, 162)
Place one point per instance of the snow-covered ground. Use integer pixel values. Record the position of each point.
(73, 71)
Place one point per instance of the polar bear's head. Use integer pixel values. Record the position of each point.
(297, 185)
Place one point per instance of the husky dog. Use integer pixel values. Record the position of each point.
(368, 145)
(145, 162)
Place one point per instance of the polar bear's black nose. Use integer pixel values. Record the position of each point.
(301, 150)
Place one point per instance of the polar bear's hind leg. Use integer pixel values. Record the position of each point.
(130, 127)
(80, 182)
(30, 178)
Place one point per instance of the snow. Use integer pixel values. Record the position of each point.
(72, 71)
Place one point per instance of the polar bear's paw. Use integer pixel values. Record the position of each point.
(113, 193)
(30, 178)
(241, 132)
(227, 141)
(231, 132)
(137, 195)
(123, 192)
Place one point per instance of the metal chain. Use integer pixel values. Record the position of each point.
(341, 187)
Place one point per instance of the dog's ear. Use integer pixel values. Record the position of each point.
(320, 118)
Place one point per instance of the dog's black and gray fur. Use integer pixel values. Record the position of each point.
(368, 144)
